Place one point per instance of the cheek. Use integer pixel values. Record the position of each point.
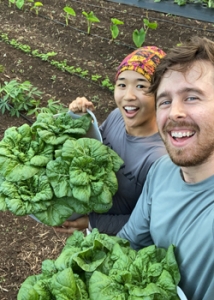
(161, 118)
(117, 94)
(148, 102)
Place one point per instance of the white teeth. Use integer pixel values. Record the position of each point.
(130, 108)
(180, 134)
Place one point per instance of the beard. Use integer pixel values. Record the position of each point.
(192, 155)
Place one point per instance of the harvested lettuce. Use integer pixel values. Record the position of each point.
(50, 170)
(102, 267)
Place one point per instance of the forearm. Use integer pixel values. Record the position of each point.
(109, 224)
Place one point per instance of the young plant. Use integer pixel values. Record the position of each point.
(43, 56)
(107, 83)
(114, 27)
(69, 12)
(36, 6)
(16, 97)
(11, 2)
(95, 77)
(20, 4)
(139, 36)
(91, 18)
(53, 106)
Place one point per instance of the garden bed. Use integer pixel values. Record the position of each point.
(24, 242)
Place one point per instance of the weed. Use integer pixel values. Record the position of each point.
(53, 78)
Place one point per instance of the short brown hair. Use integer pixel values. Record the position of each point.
(180, 58)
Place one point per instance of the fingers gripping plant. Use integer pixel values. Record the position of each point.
(91, 18)
(139, 36)
(114, 27)
(69, 12)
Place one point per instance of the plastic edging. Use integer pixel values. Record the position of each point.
(190, 11)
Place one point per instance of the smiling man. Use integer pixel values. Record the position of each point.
(177, 202)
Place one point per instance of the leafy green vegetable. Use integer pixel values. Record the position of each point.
(85, 169)
(102, 267)
(22, 154)
(23, 197)
(56, 130)
(50, 170)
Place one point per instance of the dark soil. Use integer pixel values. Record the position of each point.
(24, 242)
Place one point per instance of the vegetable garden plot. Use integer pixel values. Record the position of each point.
(24, 242)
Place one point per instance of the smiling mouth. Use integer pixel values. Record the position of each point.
(181, 134)
(131, 109)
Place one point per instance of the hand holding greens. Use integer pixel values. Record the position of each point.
(51, 170)
(102, 267)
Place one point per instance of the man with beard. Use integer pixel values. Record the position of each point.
(177, 203)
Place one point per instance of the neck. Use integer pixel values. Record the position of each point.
(198, 173)
(143, 130)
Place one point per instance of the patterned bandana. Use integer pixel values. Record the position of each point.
(143, 60)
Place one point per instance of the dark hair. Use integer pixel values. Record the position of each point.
(181, 58)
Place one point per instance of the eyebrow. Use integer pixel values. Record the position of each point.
(138, 79)
(181, 91)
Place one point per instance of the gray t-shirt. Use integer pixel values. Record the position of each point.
(171, 211)
(138, 154)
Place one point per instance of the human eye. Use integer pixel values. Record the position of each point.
(163, 103)
(143, 87)
(121, 85)
(191, 98)
(140, 86)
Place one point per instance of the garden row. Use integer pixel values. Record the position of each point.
(57, 36)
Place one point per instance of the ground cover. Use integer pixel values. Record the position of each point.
(24, 242)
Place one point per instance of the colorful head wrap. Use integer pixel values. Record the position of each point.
(143, 60)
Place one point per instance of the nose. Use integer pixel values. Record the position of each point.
(129, 94)
(177, 110)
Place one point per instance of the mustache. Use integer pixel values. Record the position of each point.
(170, 125)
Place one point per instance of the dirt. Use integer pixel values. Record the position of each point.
(24, 242)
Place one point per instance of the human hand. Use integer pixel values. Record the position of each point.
(81, 104)
(70, 226)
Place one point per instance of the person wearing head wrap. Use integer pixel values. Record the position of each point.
(131, 131)
(143, 61)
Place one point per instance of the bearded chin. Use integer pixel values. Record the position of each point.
(184, 158)
(179, 158)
